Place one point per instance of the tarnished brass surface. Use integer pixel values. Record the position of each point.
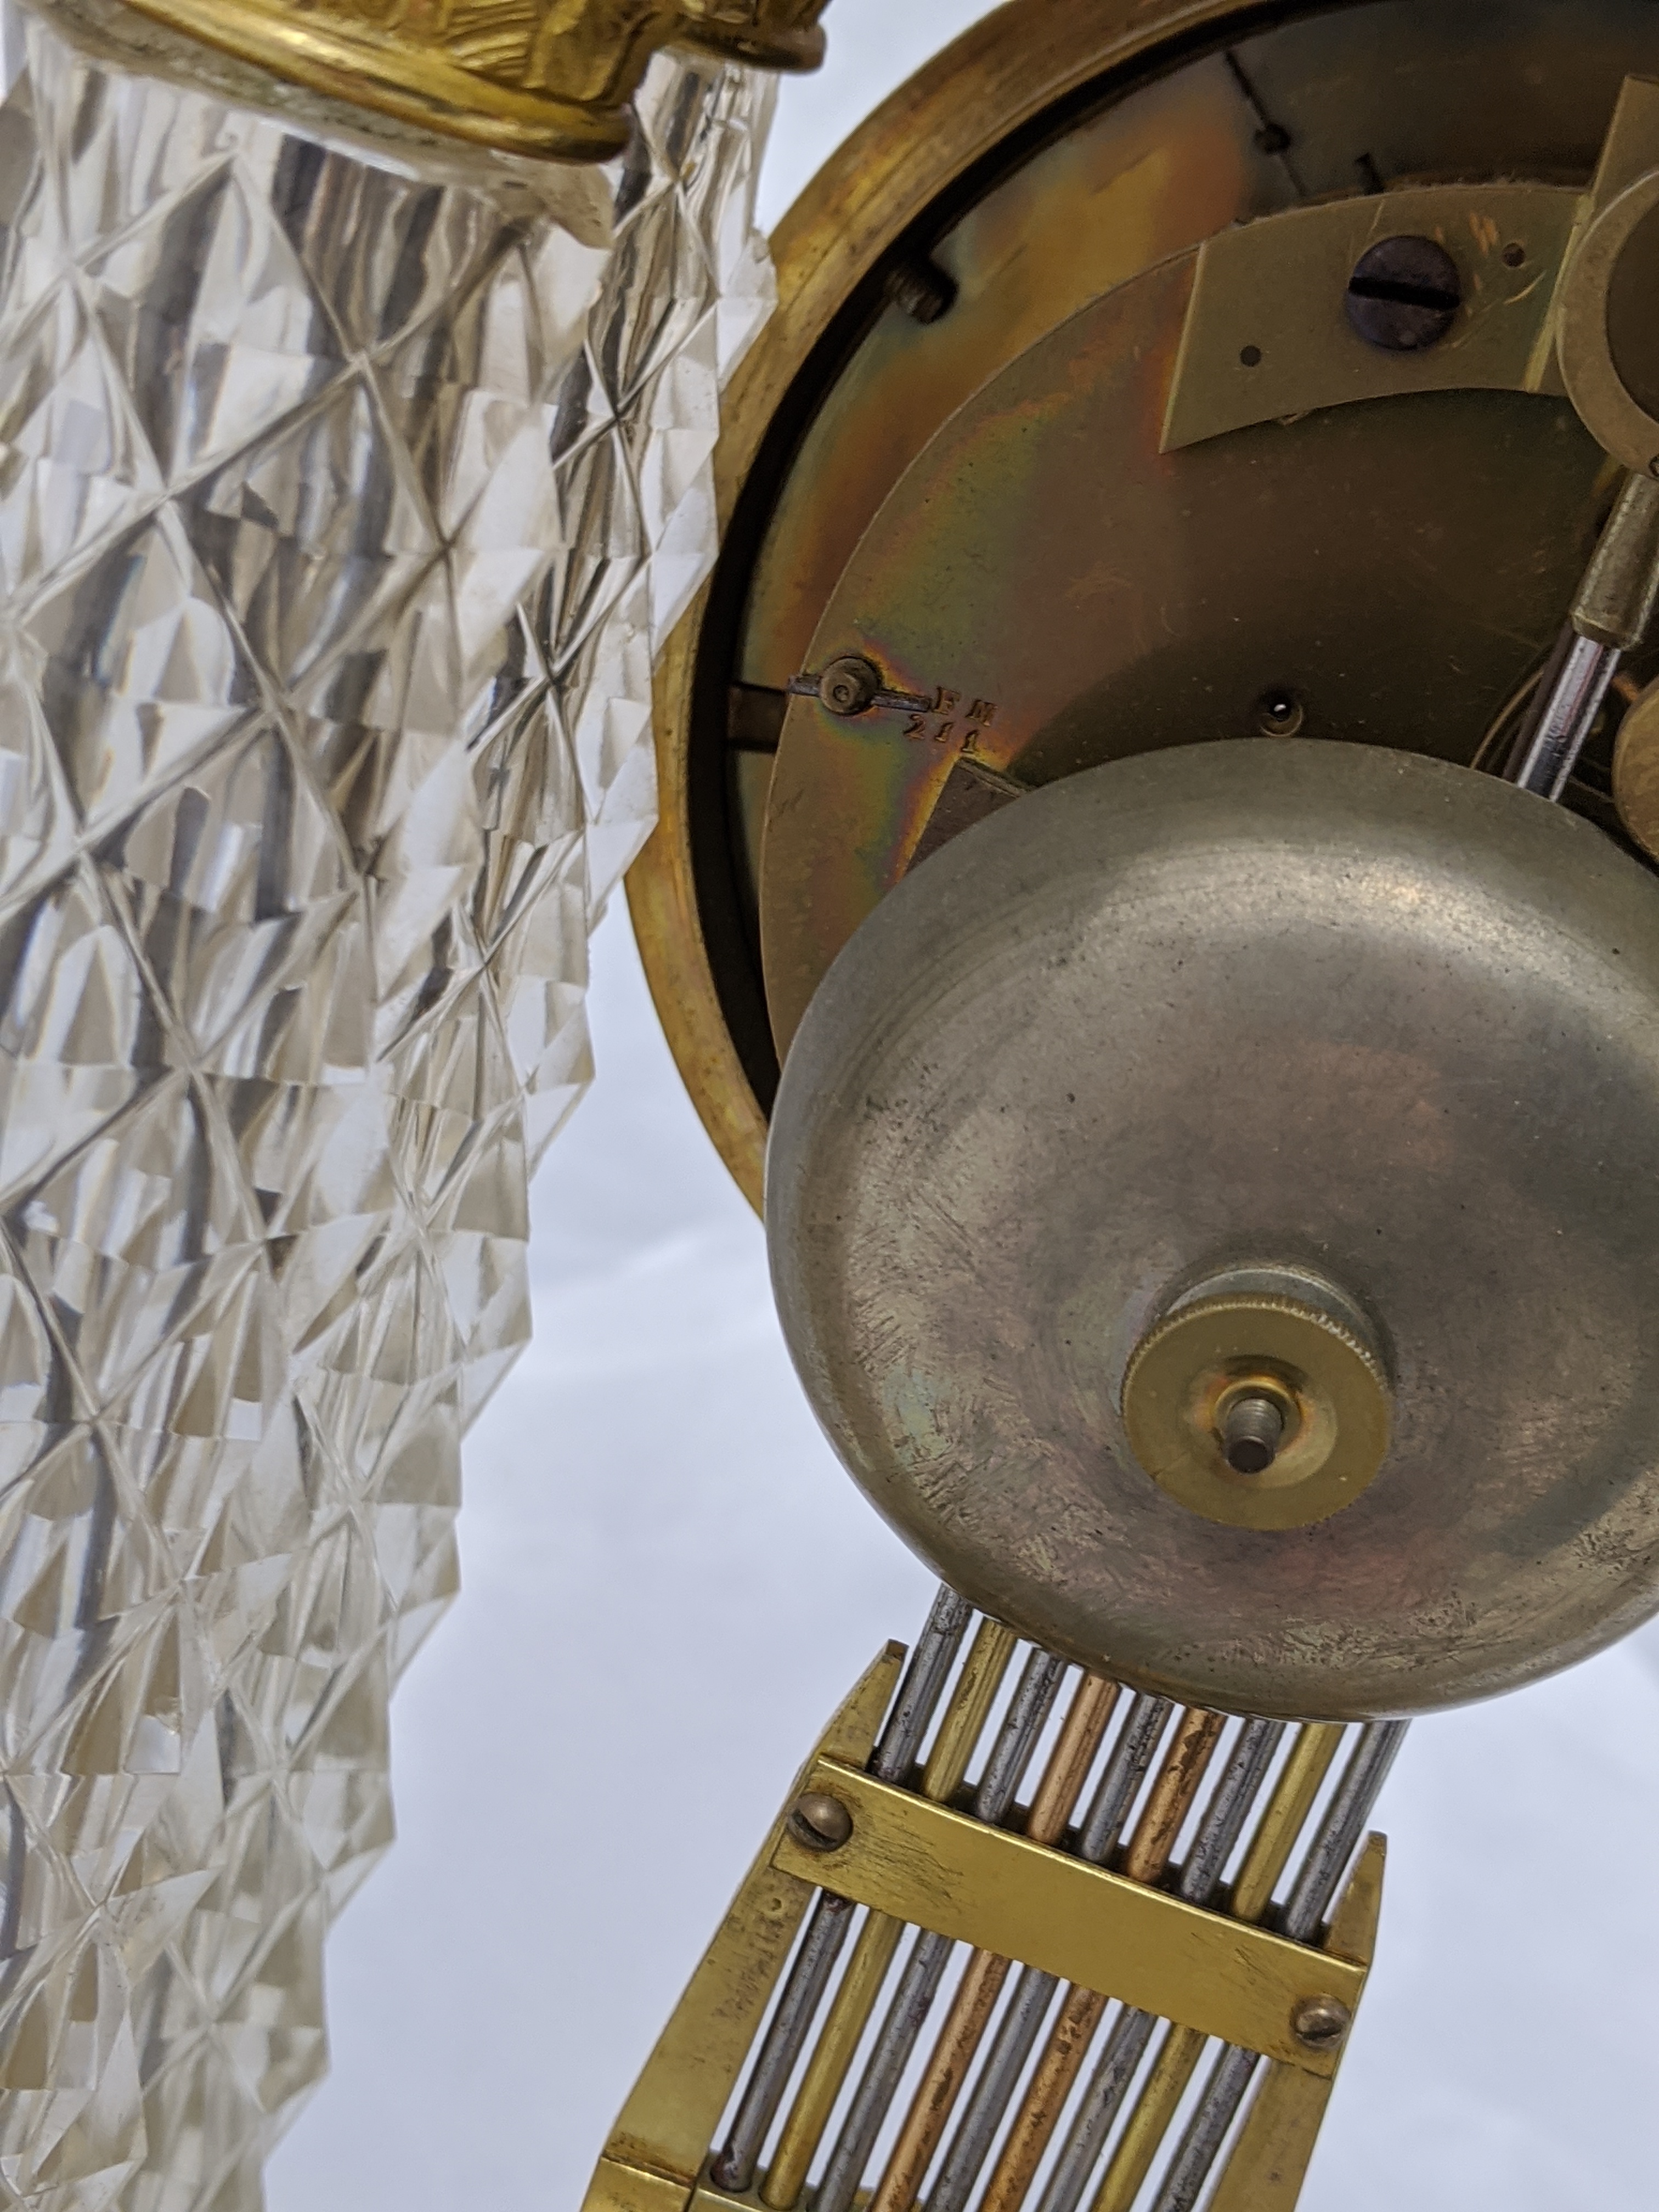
(1269, 2160)
(618, 2187)
(1420, 89)
(1322, 1007)
(936, 2093)
(1607, 352)
(1626, 424)
(1173, 1794)
(1334, 1392)
(663, 2133)
(1149, 2123)
(546, 78)
(1020, 249)
(854, 2000)
(923, 1870)
(923, 1863)
(981, 1678)
(1266, 336)
(1635, 770)
(1396, 568)
(837, 2043)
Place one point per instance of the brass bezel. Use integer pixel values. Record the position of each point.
(997, 78)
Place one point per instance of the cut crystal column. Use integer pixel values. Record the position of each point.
(340, 512)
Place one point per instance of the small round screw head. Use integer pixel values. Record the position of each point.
(921, 289)
(1279, 712)
(849, 685)
(820, 1822)
(1404, 294)
(1320, 2023)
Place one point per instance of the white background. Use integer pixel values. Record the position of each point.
(669, 1583)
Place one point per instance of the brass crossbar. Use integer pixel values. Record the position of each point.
(920, 1862)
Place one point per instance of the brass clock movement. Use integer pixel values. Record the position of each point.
(1155, 893)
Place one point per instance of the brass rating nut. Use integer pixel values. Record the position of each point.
(1257, 1410)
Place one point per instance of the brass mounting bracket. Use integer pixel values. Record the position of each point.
(1266, 339)
(550, 80)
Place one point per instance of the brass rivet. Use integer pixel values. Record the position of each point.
(1320, 2023)
(820, 1822)
(849, 685)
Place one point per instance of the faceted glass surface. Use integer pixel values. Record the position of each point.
(341, 511)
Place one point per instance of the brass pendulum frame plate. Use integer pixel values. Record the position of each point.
(661, 2138)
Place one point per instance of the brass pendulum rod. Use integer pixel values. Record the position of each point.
(1291, 1802)
(879, 1939)
(832, 1917)
(929, 2115)
(918, 1986)
(1334, 1844)
(1269, 1850)
(1033, 1991)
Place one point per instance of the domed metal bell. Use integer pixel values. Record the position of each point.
(1214, 1209)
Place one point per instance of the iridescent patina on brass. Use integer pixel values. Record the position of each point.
(1053, 218)
(1395, 566)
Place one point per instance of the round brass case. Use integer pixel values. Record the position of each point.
(1048, 158)
(1331, 1388)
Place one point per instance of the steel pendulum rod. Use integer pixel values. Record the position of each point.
(934, 2100)
(1222, 1823)
(879, 1939)
(1335, 1842)
(918, 1986)
(826, 1932)
(1610, 617)
(1033, 1991)
(1148, 1852)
